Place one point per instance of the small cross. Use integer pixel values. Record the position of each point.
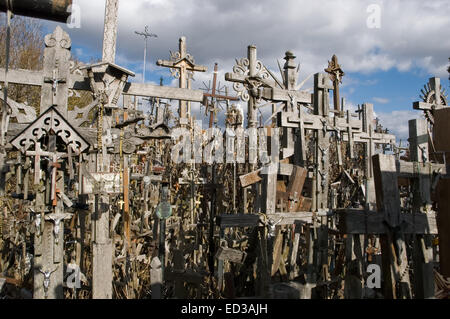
(121, 203)
(37, 153)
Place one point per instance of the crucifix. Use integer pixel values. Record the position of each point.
(336, 74)
(55, 81)
(180, 64)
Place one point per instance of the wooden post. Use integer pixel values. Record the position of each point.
(110, 31)
(423, 252)
(442, 144)
(395, 262)
(156, 278)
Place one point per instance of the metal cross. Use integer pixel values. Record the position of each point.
(214, 98)
(47, 275)
(180, 64)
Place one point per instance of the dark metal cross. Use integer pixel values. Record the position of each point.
(215, 98)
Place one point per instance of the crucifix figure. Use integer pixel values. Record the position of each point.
(55, 81)
(180, 64)
(336, 74)
(47, 275)
(56, 218)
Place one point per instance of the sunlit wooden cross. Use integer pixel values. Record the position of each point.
(336, 74)
(180, 64)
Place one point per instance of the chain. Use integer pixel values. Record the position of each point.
(100, 127)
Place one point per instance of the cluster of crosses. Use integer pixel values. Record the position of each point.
(82, 166)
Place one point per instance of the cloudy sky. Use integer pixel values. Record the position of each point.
(386, 65)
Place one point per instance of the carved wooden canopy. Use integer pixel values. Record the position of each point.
(50, 121)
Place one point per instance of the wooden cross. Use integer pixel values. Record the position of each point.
(37, 153)
(391, 224)
(336, 74)
(180, 64)
(215, 97)
(422, 203)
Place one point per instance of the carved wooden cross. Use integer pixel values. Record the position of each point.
(336, 74)
(37, 153)
(180, 64)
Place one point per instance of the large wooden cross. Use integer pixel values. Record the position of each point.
(180, 64)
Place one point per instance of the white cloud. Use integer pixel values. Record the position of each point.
(412, 32)
(397, 122)
(381, 100)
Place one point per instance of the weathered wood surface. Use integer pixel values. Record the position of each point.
(396, 277)
(442, 144)
(357, 221)
(230, 254)
(102, 270)
(238, 220)
(164, 92)
(250, 178)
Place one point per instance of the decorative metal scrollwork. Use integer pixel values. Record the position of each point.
(250, 88)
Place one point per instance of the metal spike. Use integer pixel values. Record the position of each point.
(281, 71)
(277, 111)
(299, 86)
(276, 80)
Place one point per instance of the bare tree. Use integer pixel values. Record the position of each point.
(26, 52)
